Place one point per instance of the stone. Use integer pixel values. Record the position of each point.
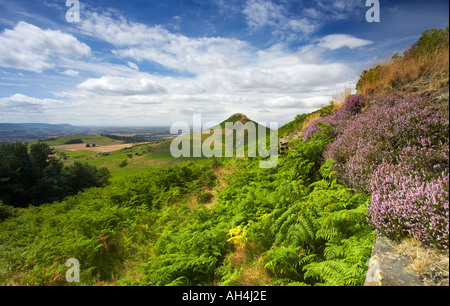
(388, 267)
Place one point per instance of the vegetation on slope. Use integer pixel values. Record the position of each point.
(422, 67)
(34, 176)
(375, 163)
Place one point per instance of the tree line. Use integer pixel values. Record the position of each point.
(35, 176)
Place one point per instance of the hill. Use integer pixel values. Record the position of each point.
(26, 131)
(375, 163)
(236, 136)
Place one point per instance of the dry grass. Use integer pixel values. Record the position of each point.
(252, 270)
(192, 202)
(339, 98)
(254, 275)
(430, 265)
(308, 121)
(104, 147)
(221, 173)
(398, 72)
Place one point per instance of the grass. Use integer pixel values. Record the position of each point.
(425, 262)
(86, 139)
(427, 59)
(140, 158)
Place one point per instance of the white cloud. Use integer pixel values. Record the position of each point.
(30, 48)
(228, 74)
(225, 75)
(337, 41)
(121, 86)
(334, 10)
(20, 98)
(71, 72)
(283, 102)
(262, 13)
(156, 44)
(133, 66)
(22, 108)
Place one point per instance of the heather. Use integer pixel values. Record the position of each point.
(396, 151)
(338, 120)
(409, 205)
(396, 125)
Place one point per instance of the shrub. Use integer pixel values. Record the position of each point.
(397, 151)
(394, 124)
(123, 164)
(6, 211)
(339, 120)
(404, 203)
(355, 104)
(74, 141)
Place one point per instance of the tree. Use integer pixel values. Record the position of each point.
(39, 155)
(16, 174)
(35, 176)
(79, 176)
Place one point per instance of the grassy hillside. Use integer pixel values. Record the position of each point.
(422, 68)
(125, 161)
(375, 163)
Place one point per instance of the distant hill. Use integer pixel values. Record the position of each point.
(241, 133)
(34, 126)
(11, 132)
(32, 132)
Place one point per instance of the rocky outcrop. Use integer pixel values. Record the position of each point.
(388, 267)
(284, 142)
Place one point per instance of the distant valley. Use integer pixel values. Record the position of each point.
(33, 132)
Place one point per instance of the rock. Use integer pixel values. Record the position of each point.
(388, 267)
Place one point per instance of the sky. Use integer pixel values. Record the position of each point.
(157, 62)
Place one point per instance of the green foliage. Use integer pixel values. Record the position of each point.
(430, 43)
(292, 224)
(296, 124)
(80, 176)
(34, 176)
(326, 232)
(74, 141)
(124, 163)
(6, 211)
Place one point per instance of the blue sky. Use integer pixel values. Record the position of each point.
(157, 62)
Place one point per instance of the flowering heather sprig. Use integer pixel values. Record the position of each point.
(398, 150)
(338, 120)
(405, 203)
(393, 124)
(355, 104)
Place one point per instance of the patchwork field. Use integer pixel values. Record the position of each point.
(122, 159)
(99, 148)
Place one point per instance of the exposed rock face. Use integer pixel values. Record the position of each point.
(388, 267)
(283, 143)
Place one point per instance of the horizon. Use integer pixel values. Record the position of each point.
(154, 63)
(174, 124)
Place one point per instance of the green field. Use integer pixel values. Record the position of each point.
(86, 139)
(139, 158)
